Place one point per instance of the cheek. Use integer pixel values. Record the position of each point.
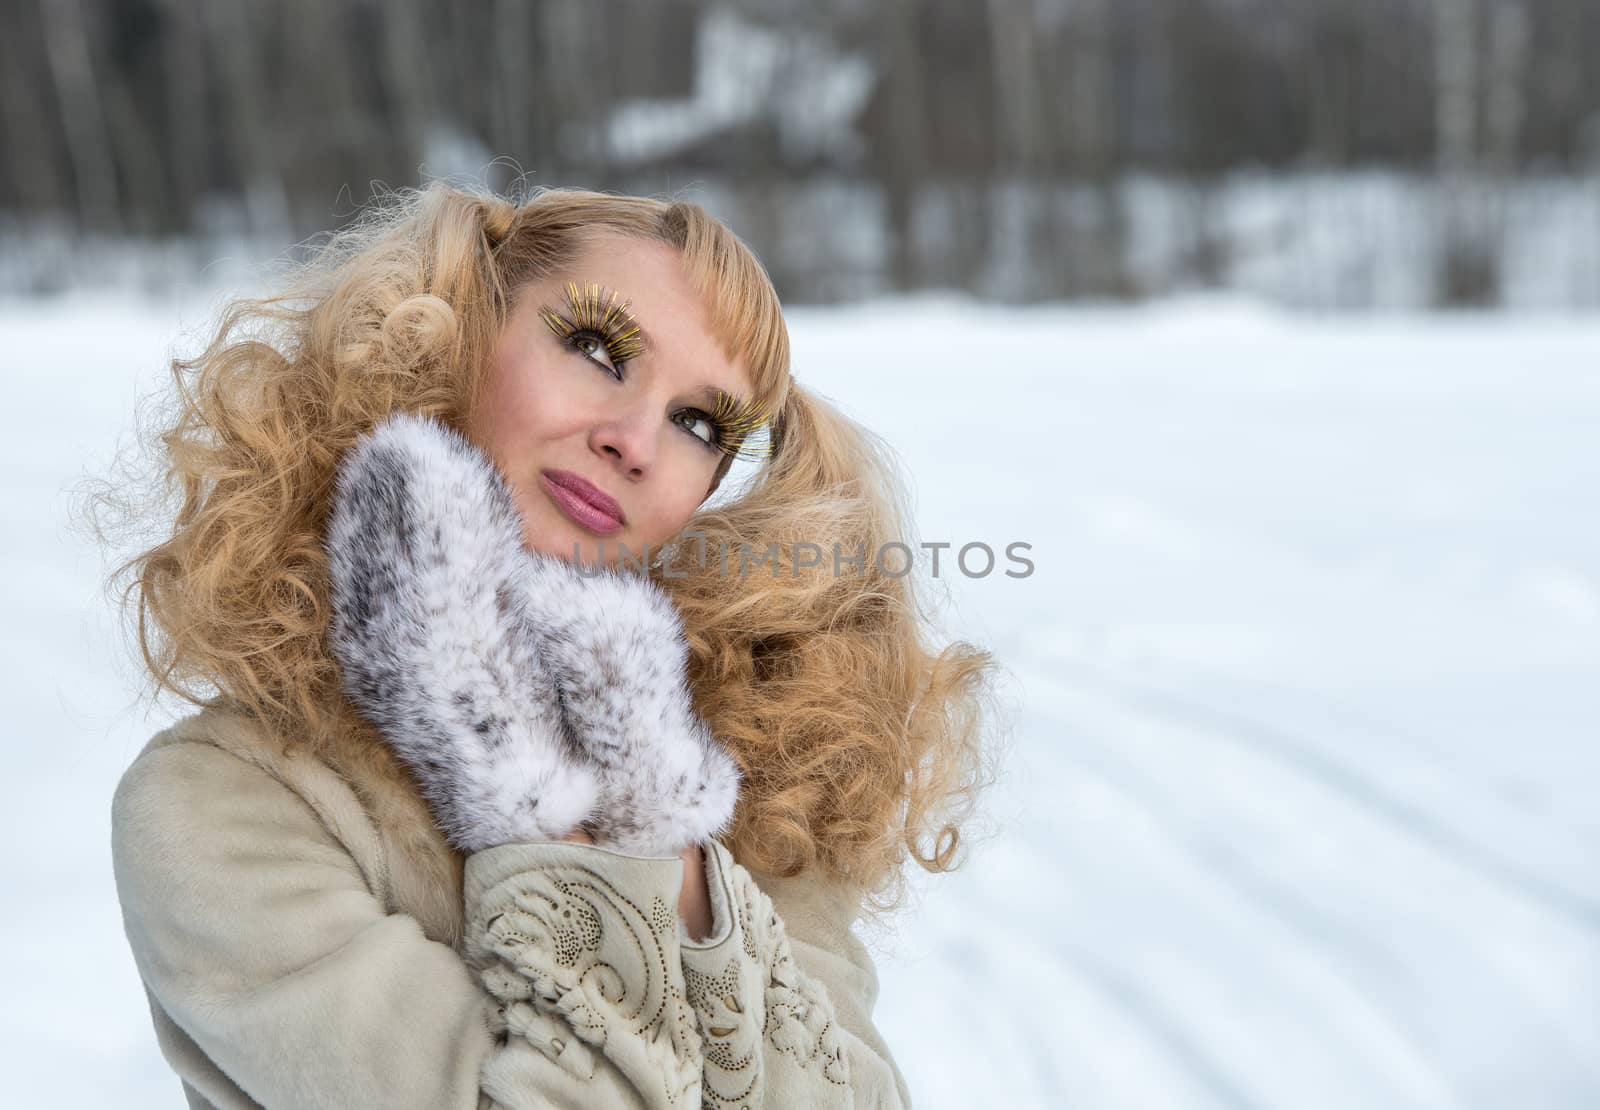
(523, 408)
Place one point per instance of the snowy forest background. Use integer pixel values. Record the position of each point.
(1351, 154)
(1269, 325)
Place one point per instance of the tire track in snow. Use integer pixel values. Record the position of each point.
(1563, 1045)
(1308, 760)
(1208, 853)
(1159, 1023)
(1342, 944)
(1155, 1023)
(1325, 714)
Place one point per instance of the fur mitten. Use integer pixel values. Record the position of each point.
(615, 643)
(431, 634)
(527, 696)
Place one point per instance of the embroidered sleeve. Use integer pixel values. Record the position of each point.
(769, 1030)
(276, 976)
(579, 947)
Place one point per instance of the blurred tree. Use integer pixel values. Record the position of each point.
(987, 147)
(83, 125)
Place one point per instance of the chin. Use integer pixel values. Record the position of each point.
(559, 549)
(555, 542)
(587, 548)
(552, 534)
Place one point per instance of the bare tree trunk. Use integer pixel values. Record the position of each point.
(188, 121)
(407, 76)
(1332, 34)
(312, 35)
(1507, 98)
(1455, 86)
(32, 148)
(1466, 265)
(1016, 84)
(905, 165)
(136, 156)
(1507, 85)
(246, 130)
(578, 100)
(512, 102)
(1013, 180)
(66, 43)
(1094, 122)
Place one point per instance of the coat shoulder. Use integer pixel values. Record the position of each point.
(219, 753)
(204, 770)
(359, 794)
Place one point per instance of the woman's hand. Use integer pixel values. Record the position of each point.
(694, 901)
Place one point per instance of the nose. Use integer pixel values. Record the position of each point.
(626, 438)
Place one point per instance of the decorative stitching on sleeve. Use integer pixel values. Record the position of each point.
(566, 940)
(730, 1034)
(798, 1015)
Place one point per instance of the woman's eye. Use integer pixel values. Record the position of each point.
(690, 419)
(593, 347)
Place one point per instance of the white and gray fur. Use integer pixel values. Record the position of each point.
(527, 696)
(615, 642)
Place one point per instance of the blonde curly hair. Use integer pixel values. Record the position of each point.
(860, 742)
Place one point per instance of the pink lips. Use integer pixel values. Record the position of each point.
(585, 503)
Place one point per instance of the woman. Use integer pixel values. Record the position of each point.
(421, 845)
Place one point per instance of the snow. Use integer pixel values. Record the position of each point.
(1297, 808)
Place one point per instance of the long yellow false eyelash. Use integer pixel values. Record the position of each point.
(740, 424)
(592, 311)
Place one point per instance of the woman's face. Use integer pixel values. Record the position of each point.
(584, 390)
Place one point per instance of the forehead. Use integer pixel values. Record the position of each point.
(651, 278)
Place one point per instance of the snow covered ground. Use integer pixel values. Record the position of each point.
(1299, 808)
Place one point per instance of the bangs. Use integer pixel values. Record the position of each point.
(741, 304)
